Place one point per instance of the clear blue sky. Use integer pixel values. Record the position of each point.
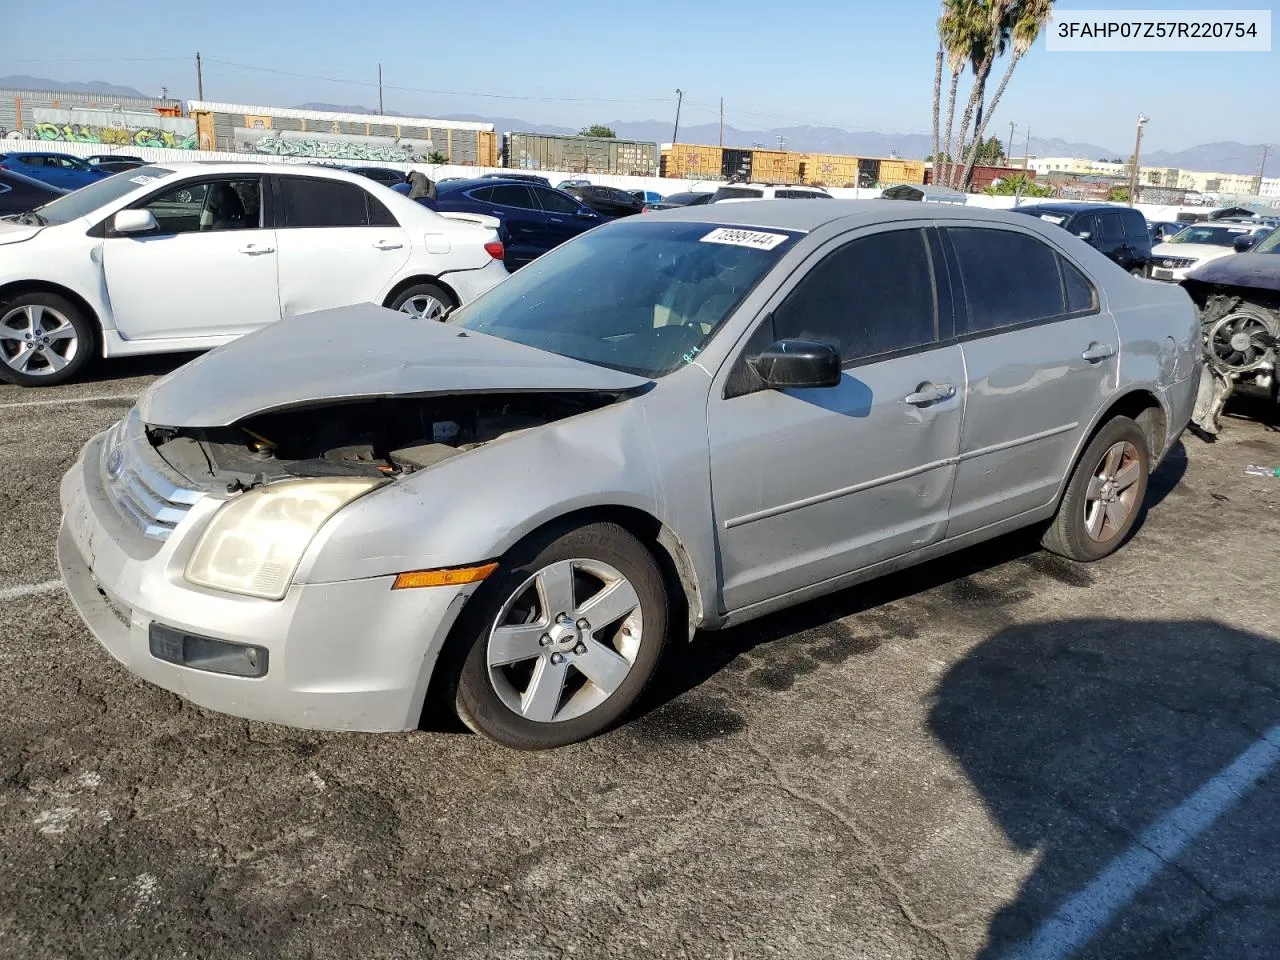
(863, 65)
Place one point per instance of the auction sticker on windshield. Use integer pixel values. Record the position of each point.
(142, 180)
(745, 238)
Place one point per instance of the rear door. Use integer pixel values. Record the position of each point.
(808, 485)
(1111, 235)
(565, 216)
(1040, 357)
(338, 244)
(527, 233)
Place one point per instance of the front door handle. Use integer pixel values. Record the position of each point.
(1098, 351)
(387, 245)
(928, 393)
(254, 250)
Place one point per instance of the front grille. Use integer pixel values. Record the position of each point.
(1173, 263)
(139, 489)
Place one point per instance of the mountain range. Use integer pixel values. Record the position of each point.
(1223, 157)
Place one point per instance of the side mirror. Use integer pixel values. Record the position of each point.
(1084, 234)
(798, 364)
(1243, 243)
(134, 221)
(586, 213)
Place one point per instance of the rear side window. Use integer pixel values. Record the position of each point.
(1111, 226)
(1009, 278)
(482, 194)
(379, 215)
(1135, 225)
(555, 202)
(1081, 297)
(872, 296)
(322, 203)
(513, 195)
(734, 193)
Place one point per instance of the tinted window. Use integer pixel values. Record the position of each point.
(379, 215)
(1081, 297)
(1085, 223)
(732, 193)
(872, 296)
(1009, 278)
(322, 203)
(1111, 226)
(208, 205)
(555, 202)
(482, 194)
(1135, 225)
(512, 195)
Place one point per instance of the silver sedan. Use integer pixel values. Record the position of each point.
(673, 422)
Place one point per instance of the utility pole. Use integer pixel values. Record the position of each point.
(1264, 151)
(1137, 151)
(1008, 151)
(199, 78)
(1262, 168)
(782, 141)
(381, 113)
(679, 100)
(1026, 151)
(164, 95)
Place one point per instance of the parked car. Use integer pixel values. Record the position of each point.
(1119, 233)
(114, 162)
(533, 218)
(56, 169)
(1162, 230)
(692, 198)
(19, 193)
(189, 256)
(647, 197)
(585, 464)
(96, 158)
(566, 184)
(1199, 243)
(1239, 301)
(527, 177)
(739, 192)
(383, 175)
(609, 202)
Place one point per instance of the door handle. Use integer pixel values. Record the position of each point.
(253, 250)
(928, 393)
(387, 245)
(1098, 351)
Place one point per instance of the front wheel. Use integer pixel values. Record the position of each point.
(424, 301)
(44, 340)
(1104, 496)
(563, 640)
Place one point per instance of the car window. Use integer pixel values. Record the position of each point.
(322, 203)
(1135, 225)
(1085, 223)
(208, 205)
(555, 202)
(481, 194)
(513, 195)
(796, 195)
(1111, 226)
(1009, 278)
(734, 193)
(1081, 297)
(872, 296)
(86, 200)
(379, 215)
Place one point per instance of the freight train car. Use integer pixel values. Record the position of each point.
(567, 154)
(687, 161)
(94, 118)
(355, 137)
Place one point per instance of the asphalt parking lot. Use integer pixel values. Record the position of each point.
(996, 755)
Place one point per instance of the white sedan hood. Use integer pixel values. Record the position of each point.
(1190, 251)
(11, 232)
(358, 352)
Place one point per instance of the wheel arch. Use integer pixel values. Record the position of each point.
(18, 288)
(1139, 404)
(413, 281)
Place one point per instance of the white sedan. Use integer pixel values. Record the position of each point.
(190, 256)
(1199, 243)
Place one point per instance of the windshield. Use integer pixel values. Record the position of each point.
(84, 201)
(1269, 245)
(1214, 236)
(644, 298)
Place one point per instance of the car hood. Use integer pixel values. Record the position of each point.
(17, 232)
(1189, 251)
(358, 352)
(1258, 270)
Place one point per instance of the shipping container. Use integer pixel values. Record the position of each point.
(831, 170)
(113, 121)
(775, 166)
(687, 161)
(736, 164)
(913, 171)
(607, 155)
(359, 137)
(983, 175)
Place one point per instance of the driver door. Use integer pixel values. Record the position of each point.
(208, 270)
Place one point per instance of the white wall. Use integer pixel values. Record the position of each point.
(436, 172)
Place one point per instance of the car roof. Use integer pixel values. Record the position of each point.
(1068, 206)
(806, 217)
(206, 167)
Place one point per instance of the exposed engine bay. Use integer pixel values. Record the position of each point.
(1241, 336)
(382, 437)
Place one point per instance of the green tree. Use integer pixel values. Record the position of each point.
(437, 158)
(1017, 185)
(1118, 195)
(597, 130)
(990, 152)
(958, 29)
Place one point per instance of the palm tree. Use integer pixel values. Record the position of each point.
(937, 95)
(991, 32)
(1030, 17)
(957, 29)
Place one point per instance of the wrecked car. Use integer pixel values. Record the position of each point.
(1239, 302)
(670, 423)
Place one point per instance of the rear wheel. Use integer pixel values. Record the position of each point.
(563, 640)
(44, 340)
(426, 301)
(1104, 496)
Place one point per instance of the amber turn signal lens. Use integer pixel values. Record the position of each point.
(450, 577)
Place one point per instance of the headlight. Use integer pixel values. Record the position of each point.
(255, 542)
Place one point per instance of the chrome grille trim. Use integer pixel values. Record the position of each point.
(143, 494)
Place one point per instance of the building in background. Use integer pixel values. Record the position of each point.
(355, 137)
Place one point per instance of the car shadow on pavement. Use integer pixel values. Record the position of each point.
(1094, 746)
(122, 368)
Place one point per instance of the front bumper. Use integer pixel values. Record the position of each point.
(348, 655)
(1168, 274)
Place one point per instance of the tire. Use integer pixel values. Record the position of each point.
(547, 699)
(65, 340)
(1137, 272)
(417, 301)
(1085, 528)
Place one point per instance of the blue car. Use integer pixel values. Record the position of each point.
(534, 218)
(56, 169)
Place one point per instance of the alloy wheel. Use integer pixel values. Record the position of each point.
(37, 340)
(1112, 494)
(423, 307)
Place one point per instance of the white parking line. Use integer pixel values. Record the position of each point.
(1089, 911)
(64, 400)
(29, 590)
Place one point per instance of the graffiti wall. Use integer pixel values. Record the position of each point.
(330, 146)
(112, 128)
